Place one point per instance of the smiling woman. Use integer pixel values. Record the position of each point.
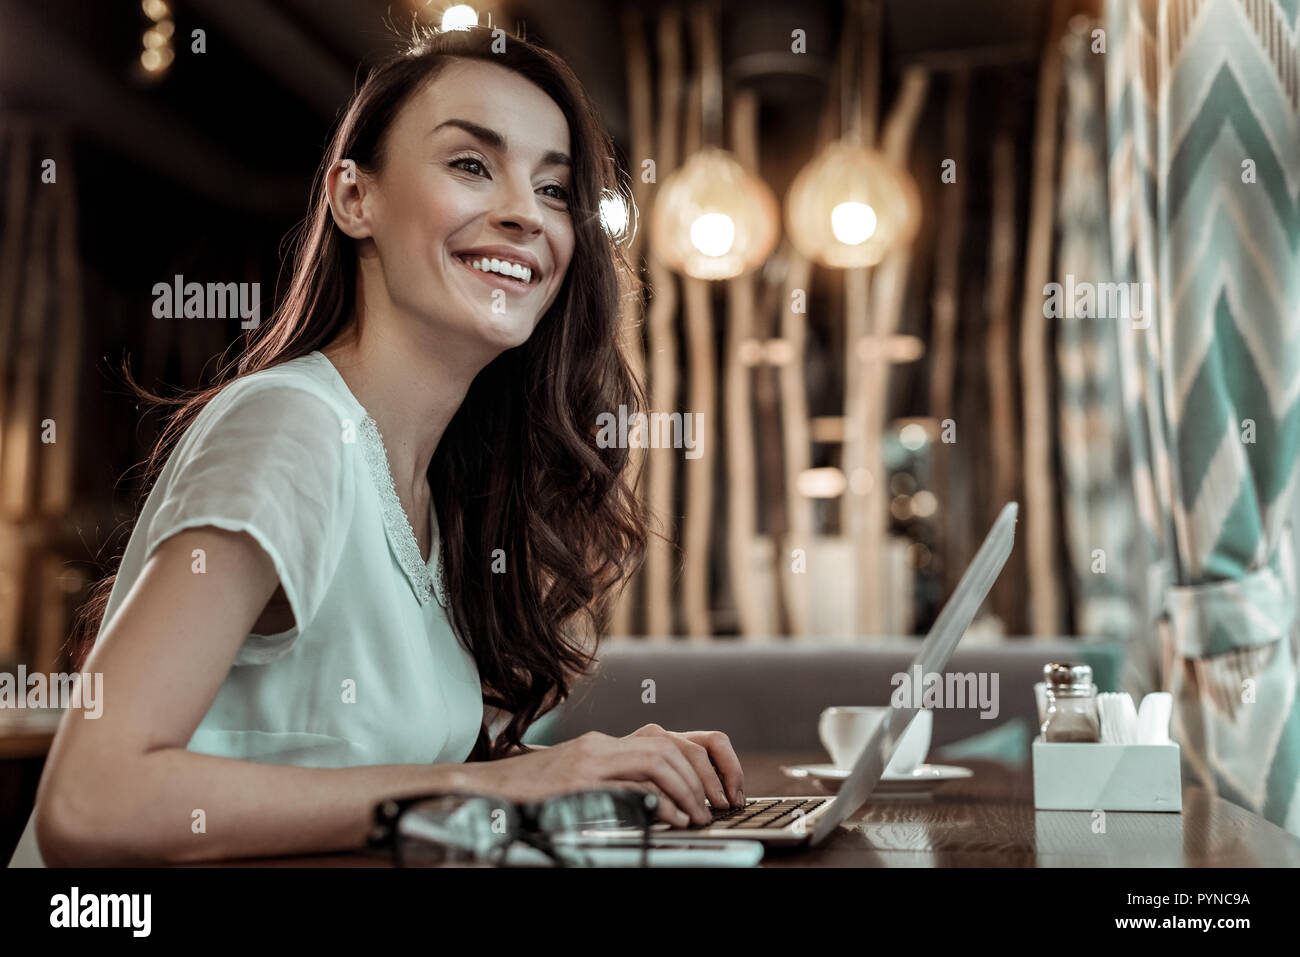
(381, 546)
(476, 166)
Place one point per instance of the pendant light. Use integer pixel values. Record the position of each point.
(851, 205)
(713, 218)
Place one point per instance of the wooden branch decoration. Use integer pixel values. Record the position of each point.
(22, 426)
(741, 462)
(797, 442)
(945, 303)
(697, 519)
(21, 159)
(1040, 518)
(860, 455)
(1004, 450)
(662, 346)
(640, 121)
(888, 287)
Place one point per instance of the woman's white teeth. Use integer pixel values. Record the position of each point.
(505, 268)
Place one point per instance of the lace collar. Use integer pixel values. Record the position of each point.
(427, 579)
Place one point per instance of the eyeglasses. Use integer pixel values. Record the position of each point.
(479, 829)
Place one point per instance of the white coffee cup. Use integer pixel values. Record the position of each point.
(844, 730)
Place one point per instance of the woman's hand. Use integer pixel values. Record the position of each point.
(681, 768)
(712, 758)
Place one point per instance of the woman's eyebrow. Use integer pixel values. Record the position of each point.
(498, 142)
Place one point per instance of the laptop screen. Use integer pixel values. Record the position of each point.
(933, 656)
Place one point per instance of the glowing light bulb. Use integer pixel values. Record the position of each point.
(850, 206)
(713, 234)
(853, 223)
(460, 17)
(712, 218)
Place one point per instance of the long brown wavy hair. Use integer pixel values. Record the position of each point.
(518, 467)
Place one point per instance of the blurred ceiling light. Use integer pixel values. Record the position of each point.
(850, 206)
(157, 54)
(157, 60)
(912, 436)
(820, 483)
(616, 215)
(924, 504)
(460, 17)
(713, 219)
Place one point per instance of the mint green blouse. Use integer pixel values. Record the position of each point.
(371, 673)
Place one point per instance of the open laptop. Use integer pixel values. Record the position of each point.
(808, 820)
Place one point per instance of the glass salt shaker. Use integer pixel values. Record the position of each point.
(1071, 704)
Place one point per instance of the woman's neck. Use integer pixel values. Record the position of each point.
(407, 384)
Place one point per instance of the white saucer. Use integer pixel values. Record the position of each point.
(924, 777)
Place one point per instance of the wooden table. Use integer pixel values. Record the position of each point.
(989, 821)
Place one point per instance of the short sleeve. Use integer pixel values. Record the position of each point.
(268, 459)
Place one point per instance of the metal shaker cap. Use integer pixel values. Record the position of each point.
(1068, 677)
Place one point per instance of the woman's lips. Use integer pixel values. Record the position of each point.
(508, 283)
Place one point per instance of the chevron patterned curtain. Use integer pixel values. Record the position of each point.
(1204, 176)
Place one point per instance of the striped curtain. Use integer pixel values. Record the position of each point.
(1204, 177)
(1096, 496)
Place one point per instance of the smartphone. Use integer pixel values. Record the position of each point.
(622, 852)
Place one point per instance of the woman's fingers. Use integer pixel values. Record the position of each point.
(685, 769)
(675, 775)
(723, 758)
(660, 761)
(698, 755)
(698, 748)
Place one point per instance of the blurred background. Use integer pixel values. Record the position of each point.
(864, 321)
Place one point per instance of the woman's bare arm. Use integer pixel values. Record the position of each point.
(122, 787)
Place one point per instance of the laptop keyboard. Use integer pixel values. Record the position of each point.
(765, 813)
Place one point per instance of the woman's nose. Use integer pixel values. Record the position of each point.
(518, 208)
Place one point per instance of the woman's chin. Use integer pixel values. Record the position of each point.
(506, 331)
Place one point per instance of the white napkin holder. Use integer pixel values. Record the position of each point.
(1070, 776)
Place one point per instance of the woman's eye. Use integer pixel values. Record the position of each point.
(465, 162)
(459, 163)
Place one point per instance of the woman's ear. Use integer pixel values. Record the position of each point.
(346, 189)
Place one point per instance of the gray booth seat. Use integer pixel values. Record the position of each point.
(768, 694)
